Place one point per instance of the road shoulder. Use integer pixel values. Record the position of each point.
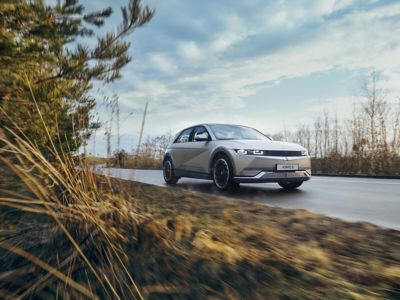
(221, 247)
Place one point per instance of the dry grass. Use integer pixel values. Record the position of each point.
(64, 229)
(247, 251)
(61, 233)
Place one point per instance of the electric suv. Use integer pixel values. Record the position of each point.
(234, 154)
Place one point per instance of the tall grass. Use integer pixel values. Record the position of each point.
(62, 232)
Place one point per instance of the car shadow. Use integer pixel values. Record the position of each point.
(270, 192)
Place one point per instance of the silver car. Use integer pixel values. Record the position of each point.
(231, 154)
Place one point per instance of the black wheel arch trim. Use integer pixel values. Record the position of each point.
(167, 155)
(224, 151)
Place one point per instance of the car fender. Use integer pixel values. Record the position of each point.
(168, 155)
(225, 151)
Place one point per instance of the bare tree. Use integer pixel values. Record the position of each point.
(375, 108)
(118, 122)
(395, 141)
(111, 103)
(336, 134)
(366, 143)
(317, 138)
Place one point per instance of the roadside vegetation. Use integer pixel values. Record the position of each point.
(368, 143)
(150, 154)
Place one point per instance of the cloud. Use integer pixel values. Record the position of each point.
(341, 42)
(162, 63)
(205, 60)
(234, 32)
(189, 50)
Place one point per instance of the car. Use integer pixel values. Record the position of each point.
(232, 154)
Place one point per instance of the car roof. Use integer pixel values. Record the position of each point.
(208, 124)
(224, 124)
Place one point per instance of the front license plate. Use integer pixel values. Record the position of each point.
(287, 167)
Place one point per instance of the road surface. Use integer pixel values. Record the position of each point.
(353, 199)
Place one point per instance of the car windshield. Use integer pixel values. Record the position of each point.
(236, 132)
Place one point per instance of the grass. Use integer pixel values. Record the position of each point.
(61, 234)
(213, 247)
(180, 244)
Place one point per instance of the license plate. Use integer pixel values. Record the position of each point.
(287, 167)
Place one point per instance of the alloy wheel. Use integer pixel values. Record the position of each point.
(167, 170)
(221, 173)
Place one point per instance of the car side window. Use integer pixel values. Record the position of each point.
(184, 137)
(201, 132)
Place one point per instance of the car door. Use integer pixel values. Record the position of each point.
(180, 150)
(199, 147)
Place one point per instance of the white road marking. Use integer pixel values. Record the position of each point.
(358, 181)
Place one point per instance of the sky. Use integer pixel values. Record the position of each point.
(268, 64)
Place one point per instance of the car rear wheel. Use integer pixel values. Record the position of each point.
(223, 173)
(290, 185)
(168, 172)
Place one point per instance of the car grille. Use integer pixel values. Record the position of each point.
(281, 153)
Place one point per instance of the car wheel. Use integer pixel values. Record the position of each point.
(290, 185)
(222, 173)
(168, 172)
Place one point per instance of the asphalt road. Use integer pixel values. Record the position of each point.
(353, 199)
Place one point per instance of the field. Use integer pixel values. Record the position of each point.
(180, 244)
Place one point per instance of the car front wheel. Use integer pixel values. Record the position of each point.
(169, 173)
(290, 185)
(223, 173)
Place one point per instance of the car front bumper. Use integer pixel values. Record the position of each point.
(266, 176)
(253, 168)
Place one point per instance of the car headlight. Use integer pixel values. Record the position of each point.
(241, 151)
(249, 152)
(304, 153)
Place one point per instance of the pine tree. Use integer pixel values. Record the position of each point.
(44, 64)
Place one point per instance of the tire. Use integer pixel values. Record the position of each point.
(222, 173)
(169, 172)
(290, 185)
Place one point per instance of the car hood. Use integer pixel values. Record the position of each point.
(262, 145)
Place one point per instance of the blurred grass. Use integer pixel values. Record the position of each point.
(214, 247)
(60, 232)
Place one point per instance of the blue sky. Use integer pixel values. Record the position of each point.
(267, 64)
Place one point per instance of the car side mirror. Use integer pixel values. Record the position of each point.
(201, 137)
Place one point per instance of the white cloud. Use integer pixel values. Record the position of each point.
(341, 105)
(346, 43)
(162, 63)
(190, 51)
(235, 31)
(341, 4)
